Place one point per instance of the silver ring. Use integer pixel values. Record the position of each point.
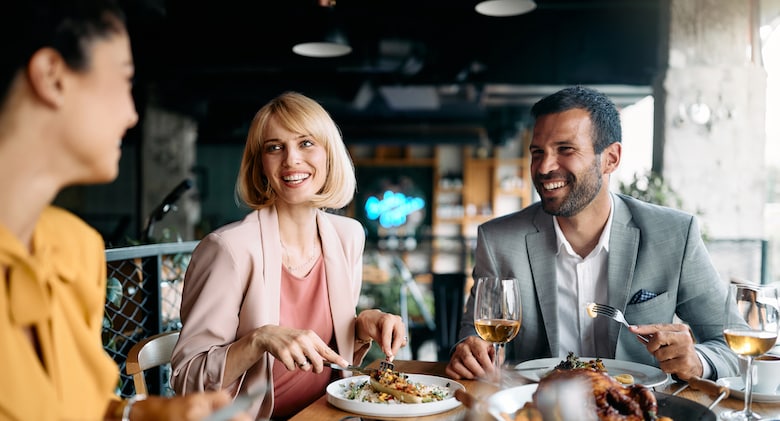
(303, 364)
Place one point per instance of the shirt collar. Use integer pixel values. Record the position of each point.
(603, 244)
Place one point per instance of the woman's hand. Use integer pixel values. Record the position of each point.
(196, 406)
(296, 348)
(386, 329)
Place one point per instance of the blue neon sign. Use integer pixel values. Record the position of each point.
(391, 210)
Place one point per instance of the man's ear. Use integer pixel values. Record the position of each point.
(611, 157)
(45, 72)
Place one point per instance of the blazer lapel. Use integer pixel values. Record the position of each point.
(338, 274)
(270, 240)
(623, 250)
(541, 252)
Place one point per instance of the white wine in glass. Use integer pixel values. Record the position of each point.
(497, 314)
(750, 330)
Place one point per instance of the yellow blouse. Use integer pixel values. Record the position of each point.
(58, 291)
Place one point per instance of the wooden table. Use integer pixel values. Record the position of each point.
(321, 410)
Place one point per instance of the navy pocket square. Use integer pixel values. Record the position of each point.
(641, 296)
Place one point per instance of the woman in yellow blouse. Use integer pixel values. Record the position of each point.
(65, 104)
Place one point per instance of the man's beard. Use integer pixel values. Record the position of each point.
(583, 190)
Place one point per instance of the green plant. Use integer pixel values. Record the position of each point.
(651, 187)
(114, 295)
(386, 296)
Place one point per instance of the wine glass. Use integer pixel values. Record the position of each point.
(750, 330)
(497, 314)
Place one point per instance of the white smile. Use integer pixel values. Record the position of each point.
(295, 178)
(554, 185)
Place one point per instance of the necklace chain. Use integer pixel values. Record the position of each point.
(300, 266)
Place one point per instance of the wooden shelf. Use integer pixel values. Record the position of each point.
(388, 156)
(491, 187)
(468, 190)
(396, 162)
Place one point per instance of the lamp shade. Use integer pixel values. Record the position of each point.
(505, 7)
(332, 44)
(321, 49)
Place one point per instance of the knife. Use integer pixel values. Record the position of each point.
(707, 386)
(352, 368)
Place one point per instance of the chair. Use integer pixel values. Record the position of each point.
(448, 301)
(150, 352)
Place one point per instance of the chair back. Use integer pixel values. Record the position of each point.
(448, 299)
(150, 352)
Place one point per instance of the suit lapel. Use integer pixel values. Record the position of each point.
(541, 250)
(623, 250)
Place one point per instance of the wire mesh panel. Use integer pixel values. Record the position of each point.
(143, 298)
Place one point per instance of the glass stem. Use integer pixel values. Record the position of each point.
(498, 361)
(748, 411)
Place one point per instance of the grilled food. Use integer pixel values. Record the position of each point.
(572, 361)
(613, 401)
(398, 385)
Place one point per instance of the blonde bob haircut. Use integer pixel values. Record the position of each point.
(299, 114)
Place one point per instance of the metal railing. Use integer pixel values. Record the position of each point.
(143, 299)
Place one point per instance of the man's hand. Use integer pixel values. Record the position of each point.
(472, 358)
(672, 346)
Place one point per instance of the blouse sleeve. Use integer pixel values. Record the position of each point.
(211, 300)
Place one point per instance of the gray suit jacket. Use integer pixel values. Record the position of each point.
(650, 247)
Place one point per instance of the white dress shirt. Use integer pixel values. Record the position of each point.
(581, 281)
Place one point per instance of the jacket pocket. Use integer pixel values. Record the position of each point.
(659, 309)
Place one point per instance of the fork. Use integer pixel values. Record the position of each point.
(612, 313)
(383, 365)
(352, 368)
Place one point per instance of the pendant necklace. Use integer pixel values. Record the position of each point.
(300, 266)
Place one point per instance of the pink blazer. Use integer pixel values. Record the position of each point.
(229, 290)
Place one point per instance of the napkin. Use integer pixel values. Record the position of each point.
(641, 296)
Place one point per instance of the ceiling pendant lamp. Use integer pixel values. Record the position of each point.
(500, 8)
(333, 44)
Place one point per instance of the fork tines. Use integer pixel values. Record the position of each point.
(614, 314)
(386, 365)
(604, 309)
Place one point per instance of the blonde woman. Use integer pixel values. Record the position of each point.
(270, 298)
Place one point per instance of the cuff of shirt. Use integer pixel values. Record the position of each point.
(706, 370)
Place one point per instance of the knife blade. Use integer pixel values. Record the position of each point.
(352, 368)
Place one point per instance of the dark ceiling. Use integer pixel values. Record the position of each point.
(219, 61)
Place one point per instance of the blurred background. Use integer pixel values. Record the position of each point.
(432, 98)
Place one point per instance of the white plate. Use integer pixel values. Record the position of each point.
(335, 392)
(510, 400)
(645, 375)
(737, 387)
